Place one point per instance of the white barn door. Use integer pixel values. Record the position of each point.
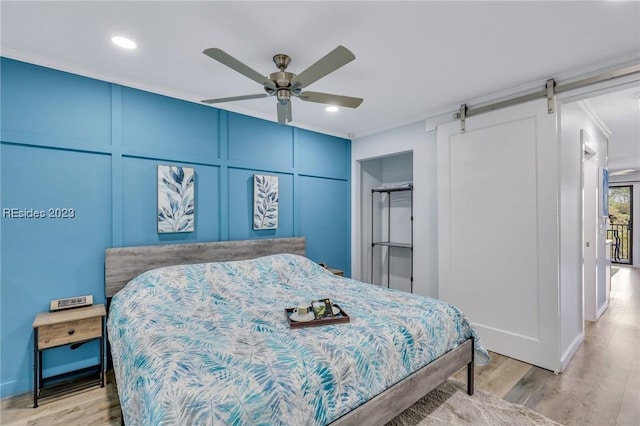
(498, 229)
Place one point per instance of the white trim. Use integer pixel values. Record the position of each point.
(421, 117)
(588, 152)
(571, 351)
(432, 123)
(602, 309)
(585, 105)
(597, 89)
(624, 182)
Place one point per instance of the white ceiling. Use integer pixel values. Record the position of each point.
(413, 59)
(620, 112)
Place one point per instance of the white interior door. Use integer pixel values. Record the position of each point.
(498, 229)
(590, 207)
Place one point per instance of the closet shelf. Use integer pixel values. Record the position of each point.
(408, 187)
(392, 244)
(388, 243)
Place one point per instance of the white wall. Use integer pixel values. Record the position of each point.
(411, 137)
(573, 119)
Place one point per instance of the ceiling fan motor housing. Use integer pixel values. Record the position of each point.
(282, 80)
(284, 95)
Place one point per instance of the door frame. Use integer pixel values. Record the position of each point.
(589, 294)
(582, 94)
(630, 238)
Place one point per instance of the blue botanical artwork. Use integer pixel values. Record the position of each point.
(176, 204)
(265, 202)
(605, 193)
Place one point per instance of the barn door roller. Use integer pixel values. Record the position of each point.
(462, 115)
(551, 96)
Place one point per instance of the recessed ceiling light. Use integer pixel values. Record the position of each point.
(125, 43)
(332, 108)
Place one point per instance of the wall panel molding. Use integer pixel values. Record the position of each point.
(109, 140)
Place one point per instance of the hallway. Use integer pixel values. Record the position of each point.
(601, 385)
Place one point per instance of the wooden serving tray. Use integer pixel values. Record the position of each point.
(341, 318)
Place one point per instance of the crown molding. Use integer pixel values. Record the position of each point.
(588, 109)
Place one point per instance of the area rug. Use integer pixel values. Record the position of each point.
(450, 405)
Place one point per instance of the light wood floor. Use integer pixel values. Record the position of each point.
(600, 387)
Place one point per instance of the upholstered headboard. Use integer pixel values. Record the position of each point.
(122, 264)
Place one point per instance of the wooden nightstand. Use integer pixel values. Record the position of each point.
(332, 270)
(336, 272)
(53, 329)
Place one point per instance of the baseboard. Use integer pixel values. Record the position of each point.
(8, 389)
(603, 308)
(571, 351)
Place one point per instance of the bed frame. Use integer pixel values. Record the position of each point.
(122, 264)
(125, 263)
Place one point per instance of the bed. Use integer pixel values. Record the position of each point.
(198, 335)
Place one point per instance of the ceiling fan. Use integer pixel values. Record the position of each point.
(284, 84)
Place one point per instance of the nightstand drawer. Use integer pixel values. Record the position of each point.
(69, 332)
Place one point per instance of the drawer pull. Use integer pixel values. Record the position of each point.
(71, 332)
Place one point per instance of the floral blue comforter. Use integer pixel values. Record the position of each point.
(209, 344)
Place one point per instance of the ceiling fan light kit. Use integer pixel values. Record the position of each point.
(284, 84)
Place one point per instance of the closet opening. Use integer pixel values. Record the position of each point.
(386, 197)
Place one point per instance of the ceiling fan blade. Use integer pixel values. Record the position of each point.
(284, 113)
(235, 98)
(327, 98)
(327, 64)
(228, 60)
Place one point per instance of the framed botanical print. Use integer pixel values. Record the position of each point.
(176, 199)
(265, 202)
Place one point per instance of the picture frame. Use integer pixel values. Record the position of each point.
(176, 199)
(605, 192)
(322, 308)
(265, 202)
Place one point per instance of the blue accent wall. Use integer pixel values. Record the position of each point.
(70, 142)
